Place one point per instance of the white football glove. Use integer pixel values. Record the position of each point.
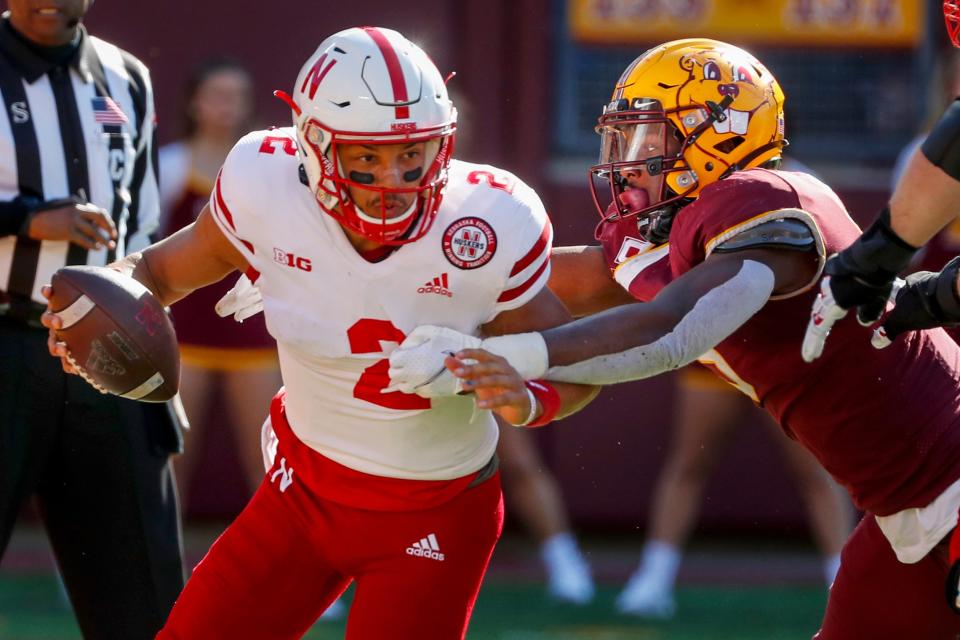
(416, 366)
(825, 314)
(243, 301)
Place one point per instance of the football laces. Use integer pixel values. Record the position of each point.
(83, 374)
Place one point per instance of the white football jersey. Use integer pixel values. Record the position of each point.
(336, 316)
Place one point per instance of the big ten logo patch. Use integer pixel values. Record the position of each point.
(292, 260)
(469, 243)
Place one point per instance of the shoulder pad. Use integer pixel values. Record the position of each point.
(785, 233)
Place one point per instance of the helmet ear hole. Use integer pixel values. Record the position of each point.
(729, 145)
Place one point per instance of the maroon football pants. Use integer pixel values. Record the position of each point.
(290, 554)
(878, 597)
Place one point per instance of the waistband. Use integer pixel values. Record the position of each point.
(341, 484)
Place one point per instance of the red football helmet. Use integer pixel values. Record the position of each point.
(372, 86)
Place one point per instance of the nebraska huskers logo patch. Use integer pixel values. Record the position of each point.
(469, 243)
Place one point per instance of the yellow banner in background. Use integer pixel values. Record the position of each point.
(832, 23)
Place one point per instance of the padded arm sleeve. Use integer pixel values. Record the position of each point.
(942, 146)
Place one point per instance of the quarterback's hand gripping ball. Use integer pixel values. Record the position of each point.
(113, 332)
(417, 365)
(242, 301)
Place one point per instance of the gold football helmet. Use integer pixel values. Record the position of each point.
(683, 115)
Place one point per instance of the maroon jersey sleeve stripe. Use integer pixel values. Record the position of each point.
(516, 292)
(537, 249)
(397, 80)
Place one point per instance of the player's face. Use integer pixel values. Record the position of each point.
(370, 168)
(223, 102)
(49, 23)
(644, 188)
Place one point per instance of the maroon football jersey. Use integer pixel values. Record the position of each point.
(884, 423)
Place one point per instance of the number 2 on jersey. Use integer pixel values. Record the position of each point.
(366, 336)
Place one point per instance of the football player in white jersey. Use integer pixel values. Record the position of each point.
(358, 226)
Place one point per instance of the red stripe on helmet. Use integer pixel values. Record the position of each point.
(393, 68)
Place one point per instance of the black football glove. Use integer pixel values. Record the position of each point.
(928, 300)
(860, 276)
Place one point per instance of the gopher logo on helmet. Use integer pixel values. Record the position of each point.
(715, 74)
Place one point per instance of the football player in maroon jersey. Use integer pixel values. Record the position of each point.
(690, 142)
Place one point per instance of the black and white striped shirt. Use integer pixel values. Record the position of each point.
(83, 129)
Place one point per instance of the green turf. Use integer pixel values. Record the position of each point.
(29, 610)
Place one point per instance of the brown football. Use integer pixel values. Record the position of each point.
(118, 335)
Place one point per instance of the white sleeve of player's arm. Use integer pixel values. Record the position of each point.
(712, 319)
(533, 240)
(232, 206)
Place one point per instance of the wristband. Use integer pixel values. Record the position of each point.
(533, 408)
(549, 399)
(879, 254)
(526, 352)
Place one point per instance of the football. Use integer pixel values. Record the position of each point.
(118, 335)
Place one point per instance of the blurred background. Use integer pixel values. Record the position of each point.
(861, 78)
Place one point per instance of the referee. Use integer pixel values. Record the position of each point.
(78, 186)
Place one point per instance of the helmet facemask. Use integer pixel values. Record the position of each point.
(331, 184)
(641, 171)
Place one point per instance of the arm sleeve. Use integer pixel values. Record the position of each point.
(144, 187)
(714, 317)
(531, 268)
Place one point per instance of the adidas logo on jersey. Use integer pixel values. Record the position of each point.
(426, 548)
(438, 285)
